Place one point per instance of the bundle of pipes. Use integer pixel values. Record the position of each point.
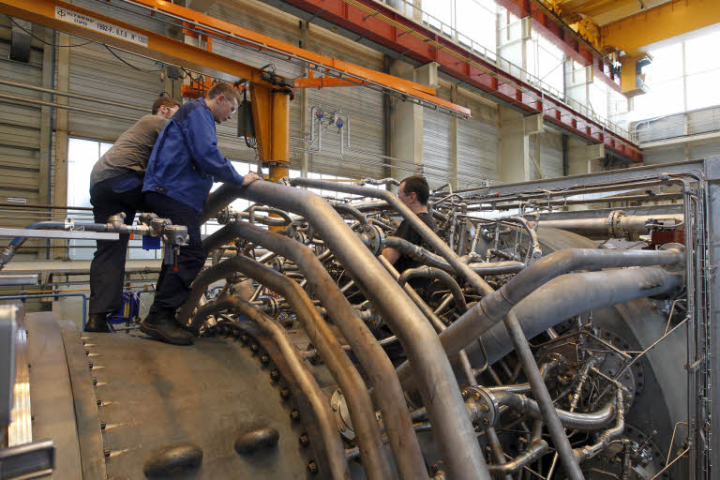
(492, 291)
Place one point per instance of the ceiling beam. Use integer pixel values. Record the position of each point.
(669, 20)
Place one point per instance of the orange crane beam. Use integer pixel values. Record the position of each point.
(660, 23)
(270, 94)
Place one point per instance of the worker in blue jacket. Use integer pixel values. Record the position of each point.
(183, 166)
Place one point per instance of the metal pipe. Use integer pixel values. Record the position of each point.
(103, 101)
(33, 101)
(614, 226)
(452, 428)
(545, 402)
(589, 451)
(571, 295)
(497, 451)
(492, 308)
(436, 273)
(355, 213)
(333, 446)
(554, 203)
(533, 453)
(341, 367)
(422, 255)
(571, 420)
(545, 368)
(369, 352)
(437, 324)
(481, 286)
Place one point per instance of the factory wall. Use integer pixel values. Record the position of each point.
(676, 138)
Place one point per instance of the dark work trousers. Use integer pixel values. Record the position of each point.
(173, 287)
(107, 270)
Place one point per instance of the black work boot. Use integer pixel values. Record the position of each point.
(97, 323)
(161, 325)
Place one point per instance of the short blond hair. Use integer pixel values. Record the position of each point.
(222, 88)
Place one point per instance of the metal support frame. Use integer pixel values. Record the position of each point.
(392, 31)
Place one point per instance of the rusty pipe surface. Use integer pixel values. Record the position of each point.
(337, 463)
(341, 367)
(366, 347)
(453, 430)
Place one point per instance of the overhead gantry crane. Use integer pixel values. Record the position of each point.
(270, 93)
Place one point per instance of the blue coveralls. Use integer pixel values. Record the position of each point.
(183, 166)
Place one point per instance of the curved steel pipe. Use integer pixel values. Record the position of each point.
(589, 451)
(571, 420)
(337, 463)
(533, 453)
(436, 273)
(492, 308)
(572, 295)
(354, 212)
(366, 347)
(481, 286)
(453, 430)
(545, 368)
(422, 255)
(341, 367)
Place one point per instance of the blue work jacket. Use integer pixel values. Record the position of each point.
(185, 161)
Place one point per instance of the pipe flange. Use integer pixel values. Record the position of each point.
(223, 216)
(342, 415)
(615, 227)
(372, 236)
(482, 405)
(270, 306)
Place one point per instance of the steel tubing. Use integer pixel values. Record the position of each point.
(436, 273)
(481, 286)
(589, 451)
(574, 294)
(437, 324)
(451, 425)
(533, 453)
(602, 227)
(333, 446)
(366, 347)
(571, 420)
(422, 255)
(341, 367)
(492, 308)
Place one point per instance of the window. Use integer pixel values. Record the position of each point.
(82, 156)
(476, 24)
(682, 77)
